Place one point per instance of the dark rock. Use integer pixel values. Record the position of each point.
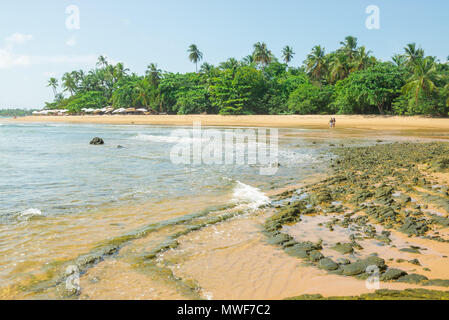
(360, 266)
(343, 248)
(343, 261)
(296, 251)
(411, 250)
(412, 278)
(415, 262)
(327, 264)
(315, 255)
(436, 283)
(279, 238)
(392, 274)
(96, 141)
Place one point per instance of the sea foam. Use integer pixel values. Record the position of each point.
(27, 214)
(252, 197)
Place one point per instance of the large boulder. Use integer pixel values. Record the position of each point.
(392, 274)
(97, 141)
(327, 264)
(360, 266)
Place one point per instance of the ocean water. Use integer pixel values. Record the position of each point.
(61, 196)
(50, 169)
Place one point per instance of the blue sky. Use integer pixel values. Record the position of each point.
(35, 43)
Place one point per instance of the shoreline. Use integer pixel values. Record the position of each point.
(364, 122)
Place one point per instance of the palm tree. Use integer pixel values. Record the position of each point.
(339, 68)
(153, 73)
(102, 62)
(120, 71)
(195, 55)
(248, 60)
(316, 64)
(68, 83)
(399, 60)
(422, 79)
(206, 68)
(261, 54)
(287, 54)
(349, 47)
(231, 63)
(53, 83)
(143, 92)
(362, 59)
(412, 53)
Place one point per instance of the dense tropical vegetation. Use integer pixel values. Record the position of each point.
(347, 81)
(15, 112)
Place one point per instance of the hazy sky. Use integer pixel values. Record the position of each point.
(36, 44)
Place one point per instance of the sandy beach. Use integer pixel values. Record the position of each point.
(366, 122)
(238, 253)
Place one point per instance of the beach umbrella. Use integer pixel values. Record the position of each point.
(120, 110)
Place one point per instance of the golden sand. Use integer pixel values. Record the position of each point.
(280, 121)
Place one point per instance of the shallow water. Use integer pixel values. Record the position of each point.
(60, 197)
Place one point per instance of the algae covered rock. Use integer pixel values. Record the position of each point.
(315, 255)
(441, 164)
(412, 278)
(360, 266)
(392, 274)
(414, 227)
(327, 264)
(296, 251)
(279, 239)
(343, 248)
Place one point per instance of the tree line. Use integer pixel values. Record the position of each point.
(15, 112)
(349, 80)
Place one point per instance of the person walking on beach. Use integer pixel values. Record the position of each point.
(334, 121)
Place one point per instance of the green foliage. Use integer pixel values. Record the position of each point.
(369, 91)
(91, 99)
(310, 99)
(239, 92)
(15, 112)
(349, 80)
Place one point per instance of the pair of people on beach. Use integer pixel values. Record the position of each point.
(332, 122)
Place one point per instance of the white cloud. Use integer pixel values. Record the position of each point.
(18, 38)
(10, 59)
(71, 42)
